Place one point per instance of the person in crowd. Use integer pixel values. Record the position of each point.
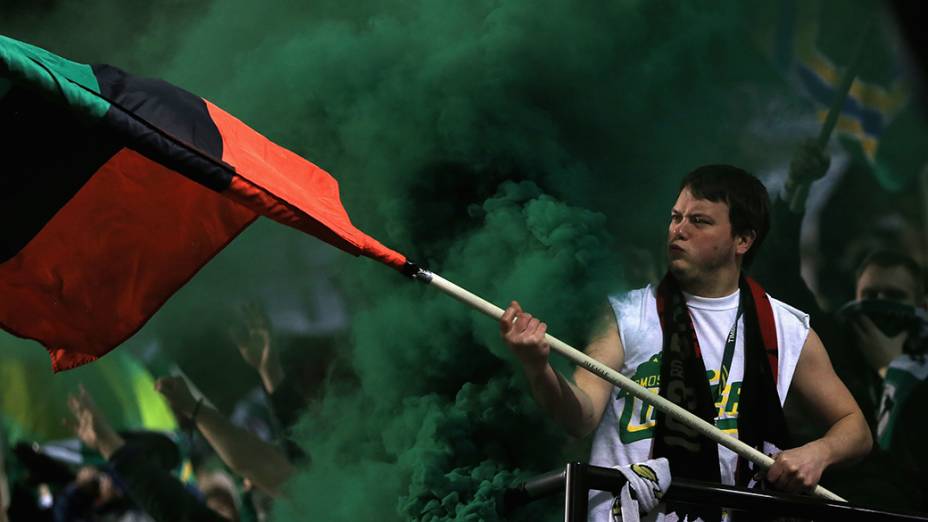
(892, 343)
(253, 440)
(861, 350)
(94, 496)
(220, 493)
(137, 471)
(254, 341)
(873, 341)
(705, 338)
(248, 456)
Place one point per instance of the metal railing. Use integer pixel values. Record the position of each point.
(578, 479)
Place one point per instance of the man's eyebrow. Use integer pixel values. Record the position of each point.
(696, 214)
(700, 214)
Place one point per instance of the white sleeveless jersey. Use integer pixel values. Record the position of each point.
(625, 433)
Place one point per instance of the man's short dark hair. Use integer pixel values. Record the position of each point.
(887, 258)
(746, 197)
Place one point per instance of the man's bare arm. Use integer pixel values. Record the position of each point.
(577, 407)
(848, 437)
(245, 453)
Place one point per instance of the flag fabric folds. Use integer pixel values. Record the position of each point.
(116, 189)
(868, 109)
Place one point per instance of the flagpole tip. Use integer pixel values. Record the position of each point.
(414, 271)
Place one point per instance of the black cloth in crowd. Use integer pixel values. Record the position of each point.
(155, 489)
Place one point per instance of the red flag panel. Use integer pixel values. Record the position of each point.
(146, 228)
(282, 185)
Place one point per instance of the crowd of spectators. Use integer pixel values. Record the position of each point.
(216, 469)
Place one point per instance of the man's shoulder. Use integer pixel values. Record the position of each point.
(631, 309)
(788, 314)
(632, 297)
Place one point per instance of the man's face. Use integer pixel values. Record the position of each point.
(893, 283)
(699, 238)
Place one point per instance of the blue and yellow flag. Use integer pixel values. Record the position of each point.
(813, 43)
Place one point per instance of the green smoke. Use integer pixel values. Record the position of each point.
(515, 147)
(471, 136)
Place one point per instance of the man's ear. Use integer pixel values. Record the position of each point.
(744, 242)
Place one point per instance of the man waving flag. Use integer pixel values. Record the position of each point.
(117, 189)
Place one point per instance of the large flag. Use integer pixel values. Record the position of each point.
(116, 189)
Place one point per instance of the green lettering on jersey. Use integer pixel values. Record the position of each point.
(638, 418)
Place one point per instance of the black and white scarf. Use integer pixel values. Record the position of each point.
(683, 381)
